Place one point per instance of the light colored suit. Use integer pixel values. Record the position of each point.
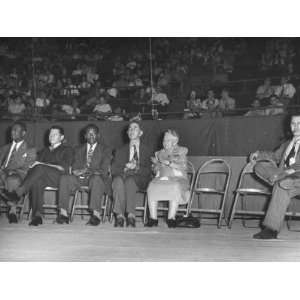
(18, 165)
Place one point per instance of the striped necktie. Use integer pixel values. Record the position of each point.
(90, 155)
(291, 155)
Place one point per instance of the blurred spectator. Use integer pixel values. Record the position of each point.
(15, 105)
(71, 110)
(285, 91)
(275, 107)
(210, 103)
(102, 107)
(226, 102)
(160, 99)
(256, 111)
(194, 103)
(265, 90)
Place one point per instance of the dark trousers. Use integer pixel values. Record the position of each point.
(124, 194)
(35, 182)
(69, 183)
(9, 183)
(282, 193)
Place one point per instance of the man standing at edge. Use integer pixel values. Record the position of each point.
(280, 169)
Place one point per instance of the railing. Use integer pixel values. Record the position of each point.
(186, 114)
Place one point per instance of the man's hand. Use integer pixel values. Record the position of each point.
(253, 156)
(35, 164)
(79, 172)
(130, 165)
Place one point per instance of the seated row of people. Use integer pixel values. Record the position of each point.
(23, 171)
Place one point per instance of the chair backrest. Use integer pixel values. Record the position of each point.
(191, 174)
(214, 166)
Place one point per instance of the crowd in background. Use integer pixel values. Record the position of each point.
(111, 77)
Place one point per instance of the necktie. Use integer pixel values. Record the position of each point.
(135, 156)
(8, 159)
(291, 155)
(89, 156)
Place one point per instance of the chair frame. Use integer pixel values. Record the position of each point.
(198, 191)
(241, 192)
(85, 189)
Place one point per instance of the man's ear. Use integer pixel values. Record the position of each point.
(62, 137)
(141, 133)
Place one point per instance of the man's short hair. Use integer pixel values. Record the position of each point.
(91, 126)
(136, 122)
(21, 124)
(59, 128)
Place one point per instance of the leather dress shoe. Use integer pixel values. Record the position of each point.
(266, 234)
(119, 222)
(93, 221)
(36, 221)
(61, 219)
(151, 222)
(130, 222)
(171, 223)
(12, 218)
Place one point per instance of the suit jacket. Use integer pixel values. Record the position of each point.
(20, 161)
(143, 175)
(100, 162)
(278, 156)
(62, 155)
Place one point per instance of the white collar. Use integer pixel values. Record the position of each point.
(17, 144)
(136, 143)
(54, 146)
(93, 146)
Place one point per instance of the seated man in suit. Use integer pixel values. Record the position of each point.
(51, 163)
(15, 159)
(280, 169)
(90, 167)
(131, 170)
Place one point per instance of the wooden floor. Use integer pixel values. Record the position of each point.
(77, 242)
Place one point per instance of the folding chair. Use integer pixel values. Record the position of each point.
(78, 195)
(212, 167)
(48, 205)
(242, 191)
(183, 208)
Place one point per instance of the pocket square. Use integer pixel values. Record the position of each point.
(24, 155)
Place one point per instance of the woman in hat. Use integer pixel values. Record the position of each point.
(171, 180)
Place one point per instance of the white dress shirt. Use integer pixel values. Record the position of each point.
(289, 148)
(131, 150)
(88, 148)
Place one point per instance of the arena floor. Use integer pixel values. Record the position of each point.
(77, 242)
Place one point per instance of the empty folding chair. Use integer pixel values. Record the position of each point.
(215, 167)
(243, 191)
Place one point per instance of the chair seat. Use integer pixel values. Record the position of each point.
(253, 190)
(209, 190)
